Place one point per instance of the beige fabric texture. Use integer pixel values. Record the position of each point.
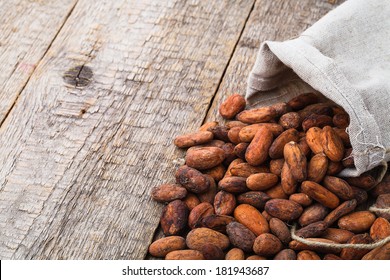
(346, 57)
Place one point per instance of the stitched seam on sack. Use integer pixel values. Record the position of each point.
(338, 90)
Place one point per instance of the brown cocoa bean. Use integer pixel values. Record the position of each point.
(185, 255)
(228, 149)
(192, 139)
(209, 195)
(191, 200)
(247, 133)
(290, 120)
(339, 187)
(343, 209)
(245, 169)
(341, 120)
(344, 136)
(317, 167)
(240, 150)
(287, 181)
(168, 192)
(224, 203)
(208, 125)
(334, 168)
(303, 146)
(276, 192)
(257, 151)
(220, 132)
(254, 198)
(353, 253)
(217, 172)
(382, 187)
(255, 258)
(234, 135)
(233, 184)
(364, 181)
(212, 252)
(312, 230)
(267, 244)
(276, 149)
(231, 165)
(199, 237)
(233, 105)
(261, 181)
(240, 236)
(281, 108)
(161, 247)
(299, 246)
(383, 202)
(267, 216)
(348, 160)
(192, 179)
(320, 194)
(314, 139)
(301, 198)
(286, 254)
(357, 222)
(216, 222)
(250, 217)
(204, 157)
(203, 209)
(332, 144)
(213, 143)
(276, 165)
(316, 120)
(360, 195)
(307, 255)
(283, 209)
(332, 257)
(379, 253)
(296, 161)
(338, 235)
(312, 214)
(231, 124)
(258, 115)
(302, 100)
(174, 218)
(380, 229)
(318, 109)
(280, 230)
(235, 254)
(337, 109)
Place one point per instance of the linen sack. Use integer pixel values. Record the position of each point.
(346, 57)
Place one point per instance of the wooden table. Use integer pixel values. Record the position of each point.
(92, 94)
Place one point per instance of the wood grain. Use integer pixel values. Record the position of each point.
(269, 20)
(78, 162)
(27, 29)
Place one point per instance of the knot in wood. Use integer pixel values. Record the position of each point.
(79, 76)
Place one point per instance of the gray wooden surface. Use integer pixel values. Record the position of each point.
(88, 130)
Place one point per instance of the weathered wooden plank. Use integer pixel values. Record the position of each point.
(269, 20)
(80, 155)
(27, 29)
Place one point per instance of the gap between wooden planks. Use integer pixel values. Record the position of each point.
(269, 20)
(79, 158)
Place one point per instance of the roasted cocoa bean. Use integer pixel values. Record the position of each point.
(233, 105)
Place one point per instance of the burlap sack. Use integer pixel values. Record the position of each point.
(346, 57)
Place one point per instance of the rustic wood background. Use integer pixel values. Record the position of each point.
(92, 94)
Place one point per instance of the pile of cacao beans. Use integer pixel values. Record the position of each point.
(248, 183)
